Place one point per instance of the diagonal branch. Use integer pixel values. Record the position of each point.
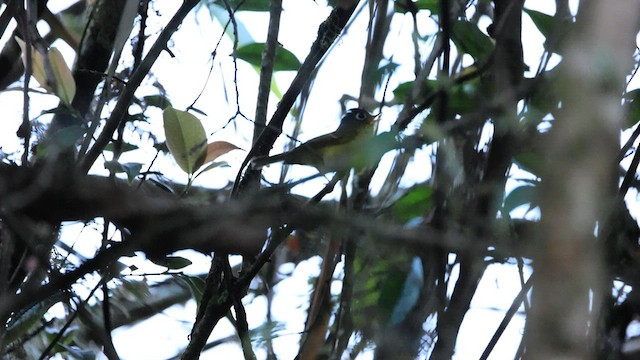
(327, 34)
(122, 106)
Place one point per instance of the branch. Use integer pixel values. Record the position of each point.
(266, 68)
(122, 106)
(579, 181)
(327, 34)
(515, 305)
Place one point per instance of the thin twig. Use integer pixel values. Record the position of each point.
(630, 175)
(327, 34)
(121, 108)
(515, 305)
(68, 323)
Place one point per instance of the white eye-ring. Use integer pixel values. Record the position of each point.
(360, 116)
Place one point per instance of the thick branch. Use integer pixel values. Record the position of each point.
(579, 181)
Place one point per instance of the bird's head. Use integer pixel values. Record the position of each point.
(357, 118)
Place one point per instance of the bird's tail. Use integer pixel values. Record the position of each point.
(259, 162)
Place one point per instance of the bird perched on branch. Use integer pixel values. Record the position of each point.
(339, 150)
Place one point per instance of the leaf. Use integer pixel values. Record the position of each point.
(416, 202)
(632, 106)
(462, 97)
(198, 111)
(61, 139)
(123, 148)
(22, 322)
(161, 185)
(469, 39)
(213, 165)
(284, 61)
(186, 139)
(403, 92)
(218, 148)
(174, 262)
(239, 32)
(553, 30)
(542, 21)
(519, 196)
(131, 169)
(65, 85)
(159, 101)
(196, 284)
(37, 64)
(405, 6)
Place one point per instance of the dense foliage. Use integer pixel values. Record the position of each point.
(506, 135)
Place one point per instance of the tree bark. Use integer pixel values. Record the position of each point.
(578, 183)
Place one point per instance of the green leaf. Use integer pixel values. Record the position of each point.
(632, 106)
(22, 322)
(186, 139)
(416, 202)
(403, 92)
(553, 30)
(542, 21)
(61, 139)
(56, 73)
(404, 6)
(463, 97)
(131, 169)
(469, 39)
(174, 262)
(284, 61)
(519, 196)
(390, 291)
(239, 32)
(159, 101)
(65, 84)
(124, 147)
(196, 284)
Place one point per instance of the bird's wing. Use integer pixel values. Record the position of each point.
(326, 140)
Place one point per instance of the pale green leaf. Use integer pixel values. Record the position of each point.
(37, 64)
(65, 84)
(186, 139)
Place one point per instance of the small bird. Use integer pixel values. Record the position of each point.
(339, 150)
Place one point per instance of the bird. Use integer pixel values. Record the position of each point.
(336, 151)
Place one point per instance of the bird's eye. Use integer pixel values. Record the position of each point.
(361, 116)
